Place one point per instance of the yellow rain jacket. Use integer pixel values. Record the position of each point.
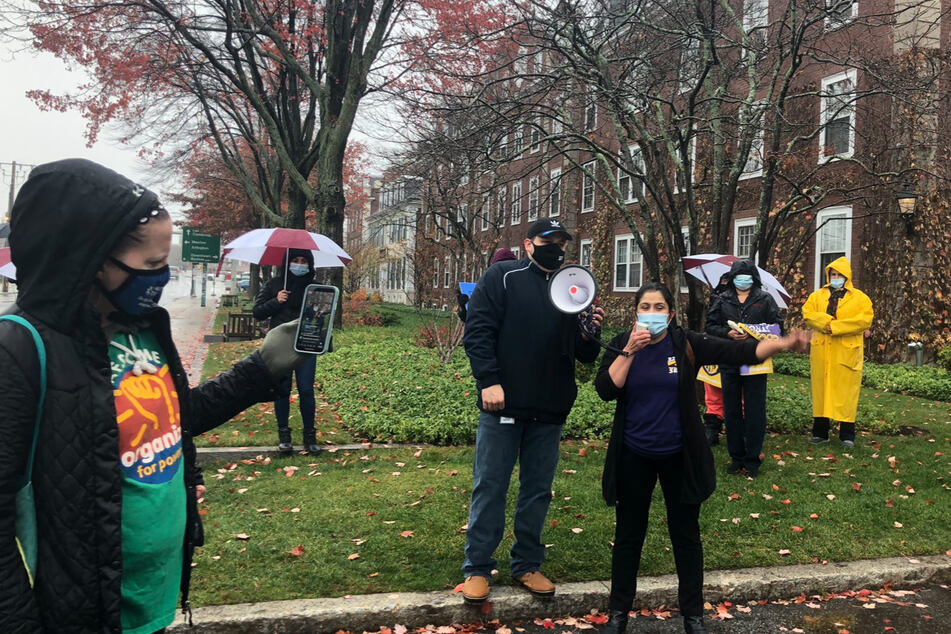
(836, 359)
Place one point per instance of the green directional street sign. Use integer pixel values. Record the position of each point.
(200, 247)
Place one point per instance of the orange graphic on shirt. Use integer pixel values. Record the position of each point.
(150, 437)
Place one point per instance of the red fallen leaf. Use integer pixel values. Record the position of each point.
(814, 516)
(734, 496)
(385, 630)
(554, 523)
(371, 513)
(787, 502)
(863, 593)
(583, 452)
(354, 556)
(458, 588)
(297, 551)
(548, 625)
(797, 529)
(856, 486)
(597, 619)
(406, 534)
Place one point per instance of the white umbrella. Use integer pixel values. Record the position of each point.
(268, 247)
(710, 267)
(6, 266)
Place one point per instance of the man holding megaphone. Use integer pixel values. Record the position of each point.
(522, 350)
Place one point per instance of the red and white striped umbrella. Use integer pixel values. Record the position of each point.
(709, 267)
(268, 246)
(6, 266)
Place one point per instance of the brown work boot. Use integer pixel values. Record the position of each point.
(537, 583)
(475, 589)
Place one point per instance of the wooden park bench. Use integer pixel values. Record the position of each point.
(243, 326)
(229, 300)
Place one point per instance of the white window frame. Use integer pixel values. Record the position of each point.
(517, 251)
(435, 272)
(822, 216)
(500, 196)
(758, 144)
(516, 203)
(849, 75)
(830, 23)
(693, 163)
(518, 141)
(631, 244)
(690, 60)
(532, 199)
(737, 225)
(535, 137)
(590, 109)
(685, 236)
(446, 272)
(557, 127)
(588, 173)
(757, 20)
(486, 200)
(586, 244)
(638, 163)
(554, 194)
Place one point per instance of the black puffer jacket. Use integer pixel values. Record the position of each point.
(759, 307)
(266, 305)
(67, 218)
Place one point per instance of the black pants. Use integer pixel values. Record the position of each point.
(744, 412)
(636, 481)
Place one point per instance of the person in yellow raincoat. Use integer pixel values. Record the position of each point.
(839, 314)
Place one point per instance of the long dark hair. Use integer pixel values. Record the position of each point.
(660, 288)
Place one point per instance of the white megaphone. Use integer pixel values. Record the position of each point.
(572, 289)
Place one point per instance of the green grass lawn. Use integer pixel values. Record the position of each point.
(888, 496)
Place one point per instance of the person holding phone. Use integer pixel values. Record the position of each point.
(280, 300)
(657, 435)
(114, 476)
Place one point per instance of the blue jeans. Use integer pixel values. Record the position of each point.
(498, 446)
(305, 390)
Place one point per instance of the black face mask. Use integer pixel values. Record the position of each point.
(549, 256)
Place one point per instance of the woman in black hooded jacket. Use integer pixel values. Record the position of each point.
(280, 300)
(114, 471)
(744, 397)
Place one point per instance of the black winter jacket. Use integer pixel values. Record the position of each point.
(759, 307)
(699, 474)
(67, 218)
(516, 338)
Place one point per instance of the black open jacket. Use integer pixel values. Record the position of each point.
(67, 218)
(699, 473)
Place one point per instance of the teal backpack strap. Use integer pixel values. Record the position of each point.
(41, 354)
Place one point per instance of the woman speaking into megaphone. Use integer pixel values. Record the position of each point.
(657, 434)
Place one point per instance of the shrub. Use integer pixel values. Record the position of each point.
(944, 358)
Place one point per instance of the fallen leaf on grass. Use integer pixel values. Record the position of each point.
(897, 524)
(297, 551)
(242, 536)
(406, 534)
(784, 552)
(797, 529)
(354, 556)
(576, 530)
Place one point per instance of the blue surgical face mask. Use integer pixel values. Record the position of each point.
(140, 291)
(743, 282)
(299, 269)
(837, 282)
(655, 322)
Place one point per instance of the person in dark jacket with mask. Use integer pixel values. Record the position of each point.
(744, 397)
(114, 475)
(522, 351)
(657, 435)
(280, 301)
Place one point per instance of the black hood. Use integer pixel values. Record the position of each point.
(307, 254)
(743, 267)
(67, 218)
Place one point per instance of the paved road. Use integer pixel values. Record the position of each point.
(926, 611)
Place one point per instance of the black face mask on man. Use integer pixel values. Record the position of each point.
(549, 256)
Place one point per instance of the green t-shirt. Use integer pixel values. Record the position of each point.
(153, 487)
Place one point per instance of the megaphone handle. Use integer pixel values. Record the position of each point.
(594, 335)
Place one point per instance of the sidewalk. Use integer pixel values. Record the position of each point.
(190, 323)
(418, 609)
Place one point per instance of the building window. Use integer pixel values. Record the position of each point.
(690, 64)
(533, 199)
(754, 160)
(591, 108)
(557, 127)
(516, 203)
(840, 12)
(755, 14)
(627, 263)
(837, 134)
(536, 136)
(632, 186)
(584, 255)
(554, 199)
(685, 236)
(680, 181)
(833, 238)
(445, 273)
(485, 211)
(435, 272)
(516, 251)
(517, 140)
(743, 232)
(587, 187)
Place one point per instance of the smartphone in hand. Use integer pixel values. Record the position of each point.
(315, 327)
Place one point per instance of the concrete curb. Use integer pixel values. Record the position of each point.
(230, 454)
(418, 609)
